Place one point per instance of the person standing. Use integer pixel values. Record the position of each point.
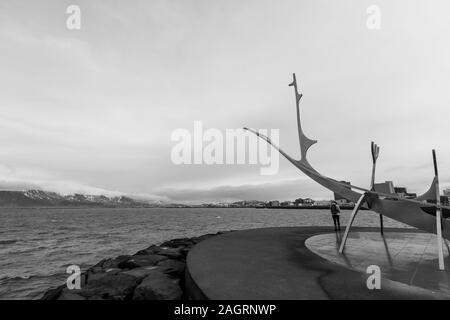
(335, 211)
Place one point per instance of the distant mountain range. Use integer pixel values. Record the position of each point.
(39, 198)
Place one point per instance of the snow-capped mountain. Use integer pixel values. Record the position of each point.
(40, 198)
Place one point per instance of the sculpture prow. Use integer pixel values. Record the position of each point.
(340, 188)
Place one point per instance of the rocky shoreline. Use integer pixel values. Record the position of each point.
(155, 273)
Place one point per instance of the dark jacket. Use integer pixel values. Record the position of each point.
(335, 209)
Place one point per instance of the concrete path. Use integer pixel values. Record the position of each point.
(274, 263)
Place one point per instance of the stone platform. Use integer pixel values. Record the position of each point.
(302, 263)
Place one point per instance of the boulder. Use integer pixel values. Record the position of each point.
(67, 294)
(90, 276)
(95, 269)
(175, 243)
(158, 286)
(138, 261)
(109, 286)
(52, 294)
(173, 253)
(185, 251)
(188, 242)
(172, 267)
(110, 263)
(203, 237)
(153, 270)
(140, 273)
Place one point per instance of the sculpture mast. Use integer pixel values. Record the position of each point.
(305, 142)
(438, 215)
(375, 152)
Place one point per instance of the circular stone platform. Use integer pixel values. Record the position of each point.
(407, 257)
(275, 263)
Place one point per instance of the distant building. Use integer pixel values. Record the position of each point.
(401, 191)
(274, 203)
(445, 200)
(343, 202)
(287, 204)
(388, 187)
(340, 198)
(299, 202)
(325, 202)
(385, 187)
(447, 192)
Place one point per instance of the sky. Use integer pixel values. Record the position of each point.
(93, 110)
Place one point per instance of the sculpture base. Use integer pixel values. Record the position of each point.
(275, 263)
(410, 258)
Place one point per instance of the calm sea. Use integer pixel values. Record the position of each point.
(37, 245)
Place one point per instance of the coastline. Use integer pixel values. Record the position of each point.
(154, 273)
(311, 207)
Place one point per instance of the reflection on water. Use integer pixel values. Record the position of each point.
(36, 245)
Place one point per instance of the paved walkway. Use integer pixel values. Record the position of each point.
(274, 263)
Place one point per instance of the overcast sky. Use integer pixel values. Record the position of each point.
(93, 110)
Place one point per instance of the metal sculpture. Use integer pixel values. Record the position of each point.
(375, 152)
(424, 212)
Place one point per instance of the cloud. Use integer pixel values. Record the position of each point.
(13, 178)
(61, 187)
(23, 178)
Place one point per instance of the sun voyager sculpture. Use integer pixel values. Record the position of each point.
(424, 212)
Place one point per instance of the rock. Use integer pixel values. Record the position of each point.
(142, 252)
(188, 242)
(158, 286)
(175, 243)
(138, 261)
(95, 269)
(110, 263)
(99, 264)
(173, 253)
(203, 237)
(157, 271)
(68, 295)
(140, 273)
(109, 285)
(89, 276)
(172, 267)
(185, 251)
(52, 294)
